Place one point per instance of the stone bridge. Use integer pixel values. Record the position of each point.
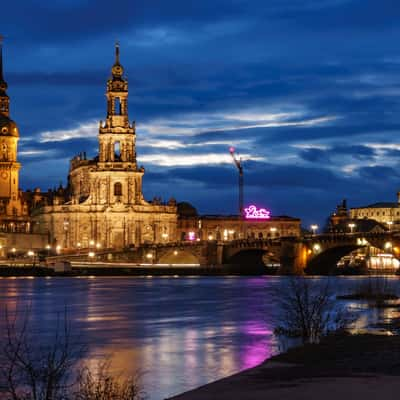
(293, 254)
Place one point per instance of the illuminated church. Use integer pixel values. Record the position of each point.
(13, 206)
(104, 202)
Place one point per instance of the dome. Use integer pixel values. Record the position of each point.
(8, 127)
(186, 210)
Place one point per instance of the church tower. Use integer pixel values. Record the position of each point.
(105, 204)
(116, 136)
(10, 204)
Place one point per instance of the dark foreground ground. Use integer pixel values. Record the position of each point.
(341, 367)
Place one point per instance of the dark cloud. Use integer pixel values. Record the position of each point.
(191, 65)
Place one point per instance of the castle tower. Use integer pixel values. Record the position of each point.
(10, 204)
(116, 136)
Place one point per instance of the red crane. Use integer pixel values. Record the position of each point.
(239, 166)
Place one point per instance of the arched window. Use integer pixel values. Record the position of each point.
(117, 150)
(117, 106)
(118, 189)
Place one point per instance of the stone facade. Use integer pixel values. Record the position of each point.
(104, 205)
(231, 227)
(385, 212)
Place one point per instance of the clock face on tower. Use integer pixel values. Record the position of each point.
(4, 175)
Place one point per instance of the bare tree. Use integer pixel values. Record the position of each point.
(309, 311)
(31, 370)
(103, 385)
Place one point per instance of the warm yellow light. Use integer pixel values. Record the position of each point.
(78, 244)
(210, 237)
(98, 245)
(149, 255)
(48, 247)
(13, 249)
(175, 252)
(316, 247)
(388, 245)
(91, 254)
(91, 242)
(31, 253)
(273, 229)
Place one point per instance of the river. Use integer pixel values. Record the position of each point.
(178, 333)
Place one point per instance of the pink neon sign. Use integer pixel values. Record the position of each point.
(253, 213)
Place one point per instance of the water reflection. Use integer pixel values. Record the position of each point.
(179, 333)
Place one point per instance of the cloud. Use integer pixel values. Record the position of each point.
(193, 160)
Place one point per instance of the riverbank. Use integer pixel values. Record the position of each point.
(347, 367)
(149, 270)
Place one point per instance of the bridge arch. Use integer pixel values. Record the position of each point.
(326, 261)
(175, 256)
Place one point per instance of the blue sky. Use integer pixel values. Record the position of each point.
(306, 90)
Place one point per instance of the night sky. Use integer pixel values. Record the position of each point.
(308, 91)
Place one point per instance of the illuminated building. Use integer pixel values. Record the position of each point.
(192, 226)
(13, 207)
(104, 202)
(387, 213)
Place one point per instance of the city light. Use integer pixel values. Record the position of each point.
(192, 236)
(388, 245)
(314, 228)
(352, 226)
(31, 253)
(210, 237)
(48, 247)
(175, 252)
(149, 256)
(78, 244)
(91, 254)
(317, 247)
(98, 245)
(252, 212)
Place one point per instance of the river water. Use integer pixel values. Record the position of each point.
(178, 333)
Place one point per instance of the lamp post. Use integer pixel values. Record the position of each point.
(352, 226)
(390, 223)
(32, 254)
(314, 228)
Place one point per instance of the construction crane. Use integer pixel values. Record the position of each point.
(238, 163)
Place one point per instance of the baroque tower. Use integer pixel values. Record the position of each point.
(10, 203)
(116, 136)
(104, 202)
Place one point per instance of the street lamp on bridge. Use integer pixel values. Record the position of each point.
(352, 226)
(314, 228)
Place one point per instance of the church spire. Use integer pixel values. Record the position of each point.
(116, 53)
(117, 70)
